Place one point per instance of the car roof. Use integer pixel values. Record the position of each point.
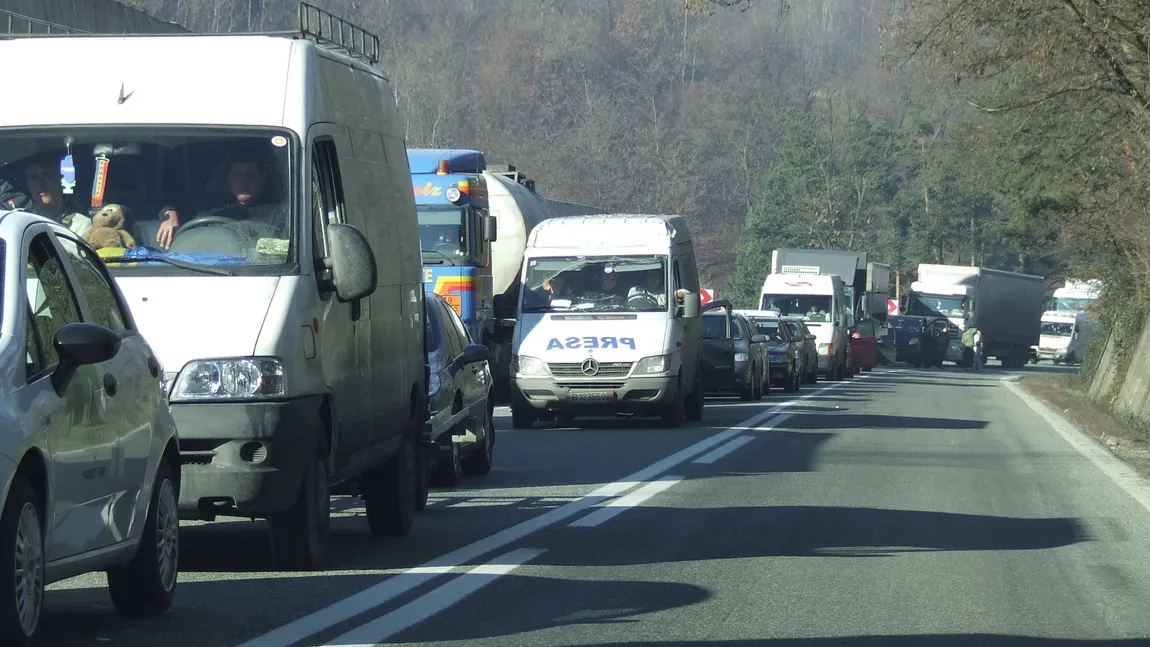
(13, 223)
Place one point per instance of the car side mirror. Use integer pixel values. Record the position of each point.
(472, 354)
(811, 337)
(80, 344)
(490, 227)
(351, 261)
(689, 305)
(758, 339)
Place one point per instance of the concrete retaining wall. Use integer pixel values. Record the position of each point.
(1127, 391)
(95, 16)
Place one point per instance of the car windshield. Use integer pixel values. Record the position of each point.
(770, 328)
(596, 284)
(230, 191)
(1057, 329)
(442, 233)
(934, 305)
(808, 307)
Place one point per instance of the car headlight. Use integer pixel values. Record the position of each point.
(433, 385)
(912, 342)
(742, 357)
(238, 378)
(653, 365)
(529, 366)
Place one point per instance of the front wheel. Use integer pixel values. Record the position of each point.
(299, 535)
(147, 584)
(21, 564)
(674, 414)
(481, 459)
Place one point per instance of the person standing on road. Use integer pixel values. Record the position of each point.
(977, 348)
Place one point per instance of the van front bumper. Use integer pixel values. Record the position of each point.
(244, 459)
(639, 395)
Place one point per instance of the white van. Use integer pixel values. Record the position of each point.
(1064, 336)
(608, 320)
(290, 327)
(818, 300)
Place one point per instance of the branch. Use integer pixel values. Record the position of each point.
(1035, 102)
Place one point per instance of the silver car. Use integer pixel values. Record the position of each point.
(89, 457)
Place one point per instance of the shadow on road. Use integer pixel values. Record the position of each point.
(880, 421)
(813, 531)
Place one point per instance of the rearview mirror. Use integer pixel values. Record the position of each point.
(351, 261)
(80, 344)
(758, 339)
(490, 228)
(689, 305)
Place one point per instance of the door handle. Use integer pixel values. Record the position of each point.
(153, 366)
(110, 384)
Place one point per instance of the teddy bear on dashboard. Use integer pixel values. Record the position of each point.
(108, 228)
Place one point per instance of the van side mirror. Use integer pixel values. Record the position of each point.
(689, 305)
(351, 261)
(80, 344)
(490, 227)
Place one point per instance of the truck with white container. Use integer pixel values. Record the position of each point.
(1076, 296)
(1006, 306)
(608, 321)
(819, 300)
(866, 284)
(1063, 337)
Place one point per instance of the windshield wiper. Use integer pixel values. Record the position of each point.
(203, 269)
(440, 254)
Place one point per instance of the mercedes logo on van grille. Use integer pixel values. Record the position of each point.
(590, 367)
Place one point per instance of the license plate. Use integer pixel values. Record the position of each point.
(591, 396)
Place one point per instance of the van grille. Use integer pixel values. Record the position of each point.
(606, 369)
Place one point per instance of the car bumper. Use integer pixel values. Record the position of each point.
(781, 374)
(1044, 353)
(632, 395)
(244, 459)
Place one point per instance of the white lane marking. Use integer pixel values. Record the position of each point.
(434, 601)
(721, 451)
(395, 586)
(775, 422)
(1117, 470)
(621, 505)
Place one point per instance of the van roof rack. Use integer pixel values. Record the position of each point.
(329, 29)
(10, 21)
(315, 24)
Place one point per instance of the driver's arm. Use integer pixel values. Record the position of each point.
(167, 230)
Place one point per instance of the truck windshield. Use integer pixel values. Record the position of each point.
(442, 232)
(937, 306)
(597, 284)
(810, 307)
(1057, 329)
(1068, 304)
(230, 192)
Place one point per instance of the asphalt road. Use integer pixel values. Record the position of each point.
(903, 507)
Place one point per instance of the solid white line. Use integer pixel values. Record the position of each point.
(775, 422)
(371, 597)
(434, 601)
(715, 454)
(1117, 470)
(621, 505)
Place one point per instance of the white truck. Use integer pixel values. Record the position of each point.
(1076, 296)
(1006, 306)
(608, 321)
(1063, 337)
(866, 284)
(819, 300)
(518, 209)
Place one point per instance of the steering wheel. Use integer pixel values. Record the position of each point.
(449, 250)
(205, 220)
(642, 300)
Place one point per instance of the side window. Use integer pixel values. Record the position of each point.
(450, 332)
(33, 346)
(326, 193)
(676, 276)
(51, 298)
(104, 304)
(464, 336)
(434, 338)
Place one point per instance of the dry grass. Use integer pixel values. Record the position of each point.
(1125, 437)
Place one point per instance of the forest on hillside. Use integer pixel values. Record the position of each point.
(993, 132)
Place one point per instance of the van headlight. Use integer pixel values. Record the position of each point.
(238, 378)
(653, 365)
(824, 349)
(530, 367)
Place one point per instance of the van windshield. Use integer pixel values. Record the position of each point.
(810, 307)
(596, 283)
(228, 191)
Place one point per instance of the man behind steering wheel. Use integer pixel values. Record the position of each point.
(652, 290)
(247, 180)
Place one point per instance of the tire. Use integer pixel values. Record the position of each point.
(867, 369)
(792, 384)
(522, 418)
(448, 470)
(695, 403)
(746, 394)
(673, 416)
(299, 535)
(22, 517)
(146, 586)
(481, 459)
(422, 477)
(390, 491)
